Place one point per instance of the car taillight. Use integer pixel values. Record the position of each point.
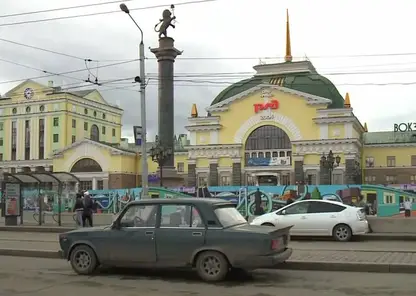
(275, 244)
(361, 215)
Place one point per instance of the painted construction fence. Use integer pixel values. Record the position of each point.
(385, 200)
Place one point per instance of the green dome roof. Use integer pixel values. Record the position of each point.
(310, 83)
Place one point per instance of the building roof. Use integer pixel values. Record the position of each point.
(310, 82)
(389, 137)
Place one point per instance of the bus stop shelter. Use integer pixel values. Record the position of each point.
(12, 192)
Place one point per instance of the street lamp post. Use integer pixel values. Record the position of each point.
(160, 154)
(330, 162)
(145, 186)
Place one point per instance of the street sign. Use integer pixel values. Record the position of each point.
(137, 130)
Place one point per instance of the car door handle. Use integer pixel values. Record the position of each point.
(332, 216)
(196, 233)
(149, 233)
(303, 217)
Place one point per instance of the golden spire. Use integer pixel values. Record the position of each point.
(194, 111)
(365, 127)
(288, 57)
(347, 103)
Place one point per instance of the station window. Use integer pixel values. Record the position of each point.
(388, 198)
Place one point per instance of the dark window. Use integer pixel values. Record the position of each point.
(413, 160)
(1, 156)
(268, 137)
(42, 108)
(14, 110)
(103, 130)
(323, 207)
(85, 111)
(95, 133)
(55, 138)
(74, 123)
(95, 113)
(73, 139)
(27, 153)
(56, 121)
(86, 165)
(28, 109)
(41, 138)
(103, 115)
(1, 126)
(85, 185)
(114, 132)
(100, 185)
(85, 126)
(1, 141)
(14, 139)
(298, 208)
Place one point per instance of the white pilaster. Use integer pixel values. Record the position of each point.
(94, 183)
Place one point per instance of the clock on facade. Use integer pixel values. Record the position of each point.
(28, 93)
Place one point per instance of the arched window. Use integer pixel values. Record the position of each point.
(86, 165)
(95, 133)
(268, 137)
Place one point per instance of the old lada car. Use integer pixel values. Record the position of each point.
(209, 235)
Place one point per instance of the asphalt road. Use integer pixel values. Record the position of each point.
(49, 241)
(48, 277)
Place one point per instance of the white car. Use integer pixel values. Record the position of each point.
(318, 218)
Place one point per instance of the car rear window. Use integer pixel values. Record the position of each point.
(229, 216)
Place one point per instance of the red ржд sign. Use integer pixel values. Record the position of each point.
(273, 104)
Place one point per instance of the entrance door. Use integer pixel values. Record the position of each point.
(268, 180)
(134, 242)
(181, 226)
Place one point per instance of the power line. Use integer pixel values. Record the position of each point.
(62, 8)
(100, 13)
(45, 50)
(61, 73)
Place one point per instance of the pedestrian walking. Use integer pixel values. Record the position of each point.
(407, 208)
(87, 210)
(78, 209)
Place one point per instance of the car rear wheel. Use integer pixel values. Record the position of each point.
(83, 260)
(212, 266)
(342, 233)
(267, 224)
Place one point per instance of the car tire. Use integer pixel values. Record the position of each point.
(267, 224)
(212, 266)
(83, 260)
(342, 233)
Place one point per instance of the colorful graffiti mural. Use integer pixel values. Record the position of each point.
(386, 201)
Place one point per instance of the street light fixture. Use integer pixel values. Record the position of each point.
(160, 154)
(145, 187)
(330, 162)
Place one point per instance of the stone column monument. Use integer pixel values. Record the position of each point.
(166, 54)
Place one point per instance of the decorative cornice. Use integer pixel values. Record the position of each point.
(214, 151)
(340, 146)
(205, 127)
(390, 145)
(114, 150)
(26, 163)
(204, 119)
(310, 99)
(335, 119)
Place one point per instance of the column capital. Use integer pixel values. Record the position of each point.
(236, 159)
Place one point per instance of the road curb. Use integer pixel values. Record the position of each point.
(38, 229)
(30, 253)
(349, 266)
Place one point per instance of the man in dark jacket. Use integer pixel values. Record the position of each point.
(257, 202)
(78, 208)
(87, 210)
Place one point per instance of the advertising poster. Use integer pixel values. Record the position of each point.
(12, 194)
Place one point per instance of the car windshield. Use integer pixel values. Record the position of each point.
(229, 216)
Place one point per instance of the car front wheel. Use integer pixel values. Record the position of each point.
(83, 260)
(342, 233)
(212, 266)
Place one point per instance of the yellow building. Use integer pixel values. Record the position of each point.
(270, 129)
(37, 121)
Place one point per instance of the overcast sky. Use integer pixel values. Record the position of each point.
(223, 29)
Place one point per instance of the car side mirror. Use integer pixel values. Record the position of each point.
(283, 212)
